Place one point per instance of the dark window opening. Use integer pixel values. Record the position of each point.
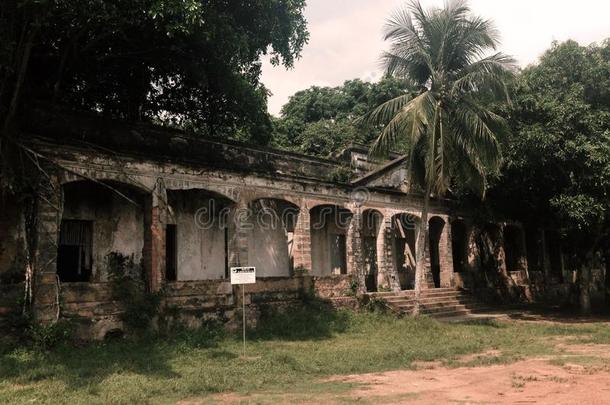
(533, 243)
(459, 246)
(74, 253)
(434, 235)
(513, 248)
(171, 253)
(553, 246)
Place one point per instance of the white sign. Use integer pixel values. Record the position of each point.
(243, 275)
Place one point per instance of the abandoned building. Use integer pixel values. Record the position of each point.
(183, 210)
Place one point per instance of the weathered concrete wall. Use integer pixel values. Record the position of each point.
(201, 249)
(327, 224)
(269, 247)
(335, 286)
(118, 223)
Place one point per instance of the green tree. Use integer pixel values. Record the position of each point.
(322, 120)
(450, 133)
(558, 156)
(187, 63)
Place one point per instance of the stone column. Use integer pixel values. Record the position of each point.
(472, 250)
(500, 252)
(302, 241)
(355, 247)
(388, 274)
(49, 211)
(523, 265)
(445, 251)
(428, 277)
(155, 219)
(239, 227)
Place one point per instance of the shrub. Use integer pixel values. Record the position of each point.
(341, 174)
(45, 337)
(129, 288)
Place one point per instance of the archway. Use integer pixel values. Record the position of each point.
(435, 230)
(329, 224)
(99, 219)
(514, 249)
(197, 235)
(554, 255)
(404, 234)
(271, 238)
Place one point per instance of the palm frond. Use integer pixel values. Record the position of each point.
(447, 129)
(489, 74)
(474, 125)
(382, 114)
(410, 122)
(408, 56)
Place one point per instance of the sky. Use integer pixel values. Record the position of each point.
(346, 37)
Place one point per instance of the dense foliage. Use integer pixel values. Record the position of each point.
(188, 63)
(557, 160)
(322, 120)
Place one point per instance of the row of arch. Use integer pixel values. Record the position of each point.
(100, 218)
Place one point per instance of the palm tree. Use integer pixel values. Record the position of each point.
(450, 135)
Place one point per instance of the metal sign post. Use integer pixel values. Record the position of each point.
(243, 276)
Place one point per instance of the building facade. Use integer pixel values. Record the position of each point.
(184, 210)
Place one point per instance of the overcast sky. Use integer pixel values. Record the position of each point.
(345, 37)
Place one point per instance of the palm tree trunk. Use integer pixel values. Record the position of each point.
(420, 253)
(420, 256)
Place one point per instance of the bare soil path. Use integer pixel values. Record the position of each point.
(572, 377)
(532, 381)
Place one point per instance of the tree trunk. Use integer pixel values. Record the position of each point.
(420, 255)
(585, 288)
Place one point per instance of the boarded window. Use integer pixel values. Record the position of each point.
(74, 255)
(171, 253)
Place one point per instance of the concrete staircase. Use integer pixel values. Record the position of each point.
(437, 302)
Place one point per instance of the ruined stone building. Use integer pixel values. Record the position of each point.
(183, 210)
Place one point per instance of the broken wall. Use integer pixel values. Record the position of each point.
(200, 234)
(118, 221)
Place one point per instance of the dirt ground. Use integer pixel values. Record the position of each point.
(578, 374)
(532, 381)
(548, 380)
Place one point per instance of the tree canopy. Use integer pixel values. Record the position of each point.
(322, 120)
(557, 160)
(448, 127)
(187, 63)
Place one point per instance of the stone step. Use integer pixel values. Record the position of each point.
(438, 303)
(434, 302)
(457, 300)
(411, 295)
(429, 299)
(412, 292)
(450, 313)
(439, 309)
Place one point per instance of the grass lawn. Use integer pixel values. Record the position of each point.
(286, 353)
